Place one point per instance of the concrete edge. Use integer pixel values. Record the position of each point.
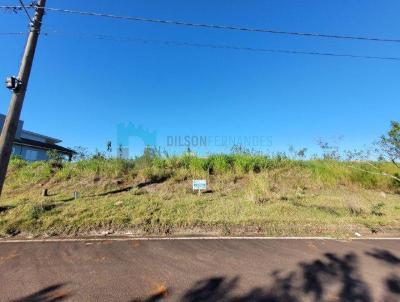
(97, 239)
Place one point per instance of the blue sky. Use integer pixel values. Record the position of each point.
(82, 88)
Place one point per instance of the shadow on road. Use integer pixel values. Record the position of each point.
(385, 256)
(53, 293)
(329, 278)
(332, 277)
(393, 284)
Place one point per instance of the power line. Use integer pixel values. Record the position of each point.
(232, 47)
(227, 27)
(26, 11)
(216, 26)
(13, 33)
(214, 46)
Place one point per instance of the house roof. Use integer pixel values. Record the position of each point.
(40, 145)
(47, 138)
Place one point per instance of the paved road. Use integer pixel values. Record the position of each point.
(201, 270)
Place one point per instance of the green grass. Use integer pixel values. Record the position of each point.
(249, 194)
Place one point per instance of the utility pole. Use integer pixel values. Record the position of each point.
(19, 86)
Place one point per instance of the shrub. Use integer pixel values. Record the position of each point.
(377, 209)
(258, 191)
(365, 179)
(396, 182)
(55, 157)
(146, 160)
(16, 162)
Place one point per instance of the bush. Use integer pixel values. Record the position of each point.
(55, 157)
(377, 209)
(16, 162)
(396, 182)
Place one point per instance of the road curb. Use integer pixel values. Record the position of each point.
(186, 238)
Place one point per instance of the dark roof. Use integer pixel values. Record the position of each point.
(32, 143)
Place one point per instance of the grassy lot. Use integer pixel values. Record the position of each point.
(248, 194)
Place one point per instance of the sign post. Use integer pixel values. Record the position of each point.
(199, 184)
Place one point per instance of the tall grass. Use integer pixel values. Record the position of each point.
(153, 167)
(151, 193)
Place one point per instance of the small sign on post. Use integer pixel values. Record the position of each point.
(76, 195)
(199, 184)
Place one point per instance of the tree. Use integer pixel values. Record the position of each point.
(390, 143)
(55, 158)
(109, 146)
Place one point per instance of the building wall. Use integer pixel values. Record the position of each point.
(30, 153)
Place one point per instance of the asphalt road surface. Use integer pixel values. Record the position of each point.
(201, 270)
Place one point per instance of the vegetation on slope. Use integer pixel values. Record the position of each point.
(247, 194)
